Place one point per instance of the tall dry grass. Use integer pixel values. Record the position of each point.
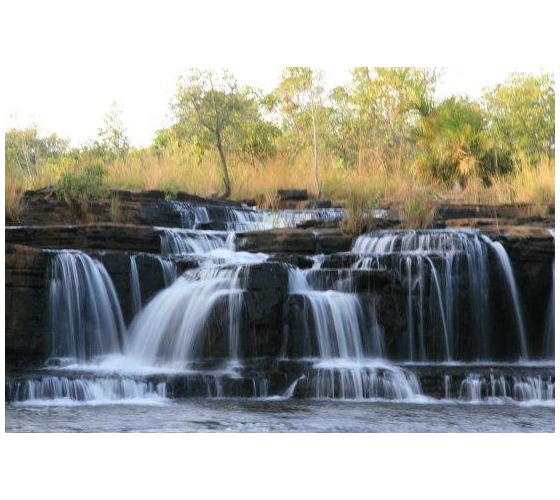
(525, 185)
(367, 187)
(13, 199)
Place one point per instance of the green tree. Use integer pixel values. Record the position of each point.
(300, 101)
(521, 116)
(387, 103)
(257, 142)
(112, 141)
(211, 111)
(453, 142)
(26, 151)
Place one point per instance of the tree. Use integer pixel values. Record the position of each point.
(453, 142)
(26, 151)
(300, 100)
(521, 116)
(387, 103)
(112, 141)
(210, 109)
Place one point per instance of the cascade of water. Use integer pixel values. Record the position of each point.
(337, 318)
(550, 313)
(471, 388)
(86, 319)
(477, 388)
(250, 219)
(96, 389)
(343, 339)
(184, 241)
(169, 271)
(448, 264)
(191, 215)
(532, 388)
(135, 286)
(505, 263)
(447, 386)
(168, 331)
(371, 380)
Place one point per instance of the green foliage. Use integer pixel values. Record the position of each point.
(453, 143)
(88, 183)
(258, 141)
(26, 151)
(521, 117)
(112, 141)
(381, 107)
(299, 103)
(376, 131)
(213, 112)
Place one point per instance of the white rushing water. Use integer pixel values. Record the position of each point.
(85, 315)
(476, 388)
(198, 315)
(446, 263)
(99, 389)
(514, 294)
(168, 330)
(185, 241)
(343, 371)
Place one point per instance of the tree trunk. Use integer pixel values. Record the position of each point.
(315, 159)
(223, 162)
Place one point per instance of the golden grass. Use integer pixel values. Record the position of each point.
(526, 185)
(415, 198)
(13, 200)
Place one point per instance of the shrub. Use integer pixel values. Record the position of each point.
(417, 209)
(83, 185)
(359, 218)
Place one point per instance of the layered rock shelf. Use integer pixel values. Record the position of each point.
(274, 320)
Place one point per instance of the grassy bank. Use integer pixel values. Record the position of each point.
(358, 190)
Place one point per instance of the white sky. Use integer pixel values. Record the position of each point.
(66, 61)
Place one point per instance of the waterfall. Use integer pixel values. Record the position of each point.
(343, 370)
(169, 330)
(477, 388)
(184, 241)
(135, 286)
(191, 215)
(250, 219)
(85, 315)
(169, 271)
(514, 293)
(96, 389)
(446, 274)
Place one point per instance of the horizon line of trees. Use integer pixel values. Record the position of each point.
(385, 118)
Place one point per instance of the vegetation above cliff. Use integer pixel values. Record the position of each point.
(385, 135)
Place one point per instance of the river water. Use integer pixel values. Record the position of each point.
(279, 415)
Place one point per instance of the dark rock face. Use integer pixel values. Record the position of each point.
(266, 288)
(150, 274)
(26, 305)
(147, 208)
(294, 241)
(532, 259)
(87, 237)
(273, 323)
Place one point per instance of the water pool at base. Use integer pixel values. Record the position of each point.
(269, 415)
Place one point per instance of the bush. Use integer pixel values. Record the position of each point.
(416, 211)
(359, 218)
(86, 184)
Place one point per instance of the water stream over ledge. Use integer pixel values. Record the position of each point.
(405, 318)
